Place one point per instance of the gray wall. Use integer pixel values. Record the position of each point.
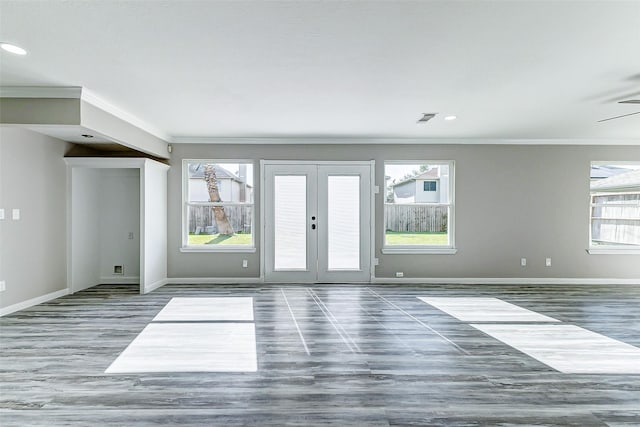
(84, 217)
(33, 249)
(511, 202)
(119, 215)
(105, 208)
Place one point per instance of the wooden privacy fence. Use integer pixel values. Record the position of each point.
(201, 220)
(415, 217)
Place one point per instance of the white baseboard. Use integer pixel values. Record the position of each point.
(212, 280)
(120, 280)
(33, 301)
(430, 280)
(506, 281)
(155, 285)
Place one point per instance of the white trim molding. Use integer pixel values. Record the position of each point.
(33, 301)
(304, 140)
(418, 250)
(218, 249)
(119, 280)
(213, 280)
(507, 281)
(423, 280)
(155, 285)
(613, 251)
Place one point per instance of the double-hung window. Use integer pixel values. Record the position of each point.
(614, 207)
(218, 206)
(419, 207)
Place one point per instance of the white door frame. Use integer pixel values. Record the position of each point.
(153, 217)
(374, 191)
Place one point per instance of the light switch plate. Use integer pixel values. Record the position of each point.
(15, 214)
(3, 285)
(1, 214)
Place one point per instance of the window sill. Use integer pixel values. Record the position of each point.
(418, 251)
(613, 251)
(228, 249)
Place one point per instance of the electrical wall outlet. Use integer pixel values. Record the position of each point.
(1, 214)
(245, 263)
(131, 235)
(399, 274)
(547, 262)
(3, 285)
(15, 214)
(523, 262)
(118, 269)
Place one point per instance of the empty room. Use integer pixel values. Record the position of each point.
(319, 212)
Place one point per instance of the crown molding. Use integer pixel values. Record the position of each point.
(341, 140)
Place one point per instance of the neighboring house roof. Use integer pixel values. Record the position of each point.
(622, 181)
(196, 170)
(605, 171)
(433, 173)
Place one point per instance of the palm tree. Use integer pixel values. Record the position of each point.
(224, 226)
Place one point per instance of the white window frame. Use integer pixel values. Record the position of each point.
(449, 249)
(606, 249)
(185, 209)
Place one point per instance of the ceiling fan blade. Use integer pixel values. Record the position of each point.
(618, 117)
(630, 101)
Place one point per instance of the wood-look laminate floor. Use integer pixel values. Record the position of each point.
(354, 355)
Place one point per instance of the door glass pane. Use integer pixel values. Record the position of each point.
(290, 224)
(343, 202)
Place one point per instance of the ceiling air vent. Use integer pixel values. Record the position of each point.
(426, 117)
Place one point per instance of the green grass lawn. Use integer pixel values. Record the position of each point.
(415, 238)
(216, 239)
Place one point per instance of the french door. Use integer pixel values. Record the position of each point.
(317, 222)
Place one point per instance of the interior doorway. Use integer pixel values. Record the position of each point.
(116, 222)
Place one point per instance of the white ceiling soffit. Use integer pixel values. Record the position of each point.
(220, 71)
(85, 95)
(42, 109)
(71, 133)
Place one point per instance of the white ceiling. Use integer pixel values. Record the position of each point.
(507, 69)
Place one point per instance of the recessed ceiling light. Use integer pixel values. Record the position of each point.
(86, 135)
(13, 48)
(450, 118)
